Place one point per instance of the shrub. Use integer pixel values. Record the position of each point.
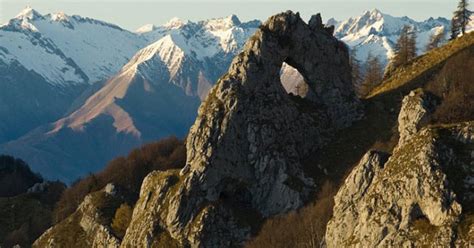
(303, 228)
(122, 219)
(127, 173)
(454, 84)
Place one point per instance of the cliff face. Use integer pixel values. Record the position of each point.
(421, 195)
(245, 149)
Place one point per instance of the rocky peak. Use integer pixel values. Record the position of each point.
(174, 23)
(419, 196)
(245, 149)
(223, 23)
(234, 20)
(28, 13)
(60, 17)
(416, 109)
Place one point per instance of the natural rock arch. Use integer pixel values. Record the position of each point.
(249, 139)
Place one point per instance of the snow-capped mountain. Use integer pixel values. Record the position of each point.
(152, 80)
(155, 94)
(203, 49)
(72, 49)
(47, 61)
(377, 33)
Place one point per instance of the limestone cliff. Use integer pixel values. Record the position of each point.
(421, 196)
(245, 149)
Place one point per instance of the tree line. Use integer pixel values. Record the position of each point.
(368, 74)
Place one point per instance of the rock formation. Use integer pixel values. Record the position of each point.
(415, 112)
(89, 226)
(419, 197)
(245, 149)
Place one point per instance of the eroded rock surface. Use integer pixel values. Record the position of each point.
(89, 226)
(245, 149)
(415, 112)
(422, 195)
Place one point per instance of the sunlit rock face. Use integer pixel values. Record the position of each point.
(419, 196)
(245, 148)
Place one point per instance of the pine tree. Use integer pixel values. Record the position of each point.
(373, 75)
(435, 40)
(461, 19)
(405, 49)
(454, 29)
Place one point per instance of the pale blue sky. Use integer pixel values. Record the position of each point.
(131, 14)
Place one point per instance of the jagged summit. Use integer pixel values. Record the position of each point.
(173, 23)
(377, 32)
(170, 67)
(59, 17)
(251, 166)
(234, 19)
(28, 13)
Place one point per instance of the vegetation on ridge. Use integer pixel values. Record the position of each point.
(24, 216)
(419, 67)
(127, 173)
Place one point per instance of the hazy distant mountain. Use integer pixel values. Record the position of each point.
(155, 94)
(46, 62)
(64, 48)
(142, 97)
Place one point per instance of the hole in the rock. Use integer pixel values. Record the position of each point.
(238, 196)
(293, 81)
(416, 213)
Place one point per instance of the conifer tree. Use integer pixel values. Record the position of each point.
(405, 49)
(460, 19)
(454, 29)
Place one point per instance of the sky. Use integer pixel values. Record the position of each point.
(132, 14)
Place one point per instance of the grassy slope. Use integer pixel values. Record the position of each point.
(420, 67)
(378, 129)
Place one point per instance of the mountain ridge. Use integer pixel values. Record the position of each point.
(180, 62)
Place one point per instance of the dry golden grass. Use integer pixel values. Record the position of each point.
(417, 67)
(303, 228)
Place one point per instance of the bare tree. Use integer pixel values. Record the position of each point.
(436, 39)
(373, 75)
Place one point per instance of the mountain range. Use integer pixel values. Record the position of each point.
(393, 169)
(77, 92)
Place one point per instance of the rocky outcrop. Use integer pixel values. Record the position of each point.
(89, 226)
(244, 151)
(421, 196)
(414, 113)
